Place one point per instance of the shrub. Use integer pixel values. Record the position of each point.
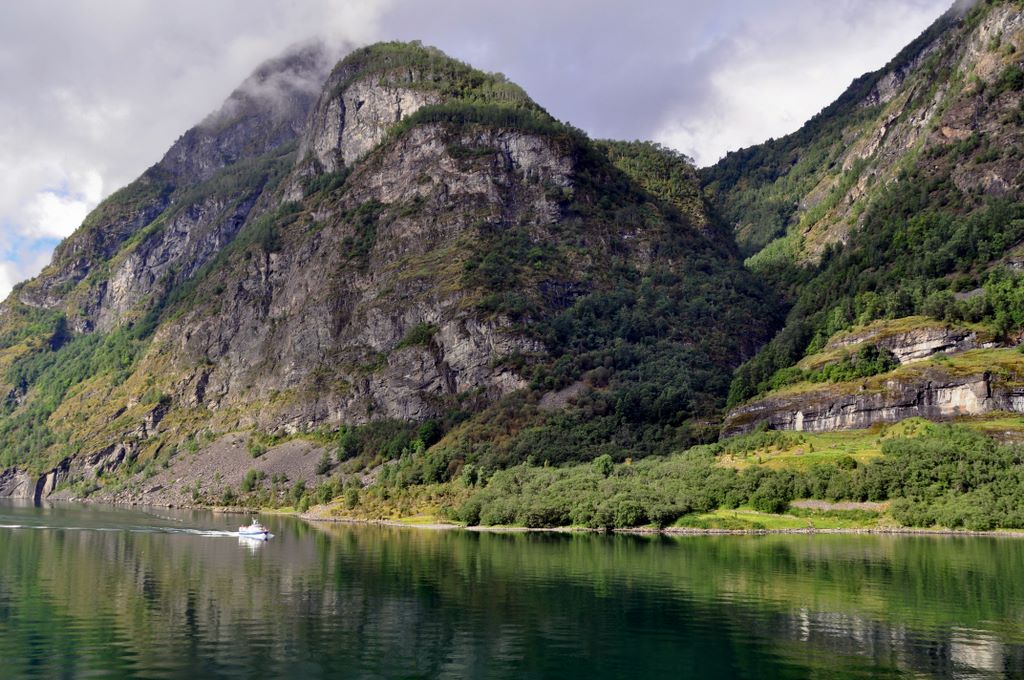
(252, 479)
(419, 335)
(228, 497)
(629, 513)
(497, 512)
(765, 501)
(604, 465)
(323, 466)
(469, 512)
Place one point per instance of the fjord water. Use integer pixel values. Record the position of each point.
(91, 591)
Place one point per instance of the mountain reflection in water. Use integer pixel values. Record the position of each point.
(106, 592)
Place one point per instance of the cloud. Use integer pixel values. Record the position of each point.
(9, 274)
(23, 258)
(702, 77)
(772, 73)
(95, 91)
(57, 213)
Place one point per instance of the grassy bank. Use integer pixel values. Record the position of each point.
(912, 475)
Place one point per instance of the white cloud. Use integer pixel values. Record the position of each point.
(9, 275)
(22, 264)
(56, 214)
(774, 72)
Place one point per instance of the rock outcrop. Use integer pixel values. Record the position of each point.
(914, 344)
(20, 485)
(933, 394)
(942, 89)
(352, 118)
(355, 321)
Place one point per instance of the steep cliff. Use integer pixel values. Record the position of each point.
(900, 200)
(945, 107)
(426, 249)
(975, 383)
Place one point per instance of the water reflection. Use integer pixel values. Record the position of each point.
(251, 543)
(117, 593)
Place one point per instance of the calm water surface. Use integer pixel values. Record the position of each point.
(102, 592)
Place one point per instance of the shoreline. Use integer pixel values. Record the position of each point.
(668, 531)
(636, 531)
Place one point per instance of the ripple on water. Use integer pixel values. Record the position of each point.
(119, 593)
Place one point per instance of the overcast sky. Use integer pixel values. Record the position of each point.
(94, 91)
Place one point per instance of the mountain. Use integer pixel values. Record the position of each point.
(892, 227)
(397, 286)
(892, 222)
(397, 258)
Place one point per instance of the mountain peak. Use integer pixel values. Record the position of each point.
(267, 110)
(375, 87)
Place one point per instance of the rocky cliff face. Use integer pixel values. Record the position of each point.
(425, 244)
(934, 394)
(925, 339)
(810, 190)
(944, 372)
(901, 200)
(352, 118)
(315, 302)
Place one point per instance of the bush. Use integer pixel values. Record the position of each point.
(252, 480)
(228, 497)
(604, 465)
(544, 514)
(499, 512)
(765, 501)
(298, 491)
(469, 512)
(323, 466)
(629, 513)
(419, 335)
(912, 512)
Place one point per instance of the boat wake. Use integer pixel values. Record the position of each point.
(212, 533)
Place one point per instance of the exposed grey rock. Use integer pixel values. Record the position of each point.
(919, 343)
(170, 256)
(307, 324)
(933, 395)
(19, 484)
(347, 123)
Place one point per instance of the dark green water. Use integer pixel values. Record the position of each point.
(101, 592)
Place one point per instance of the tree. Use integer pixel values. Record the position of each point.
(323, 466)
(604, 465)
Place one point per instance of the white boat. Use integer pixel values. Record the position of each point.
(254, 530)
